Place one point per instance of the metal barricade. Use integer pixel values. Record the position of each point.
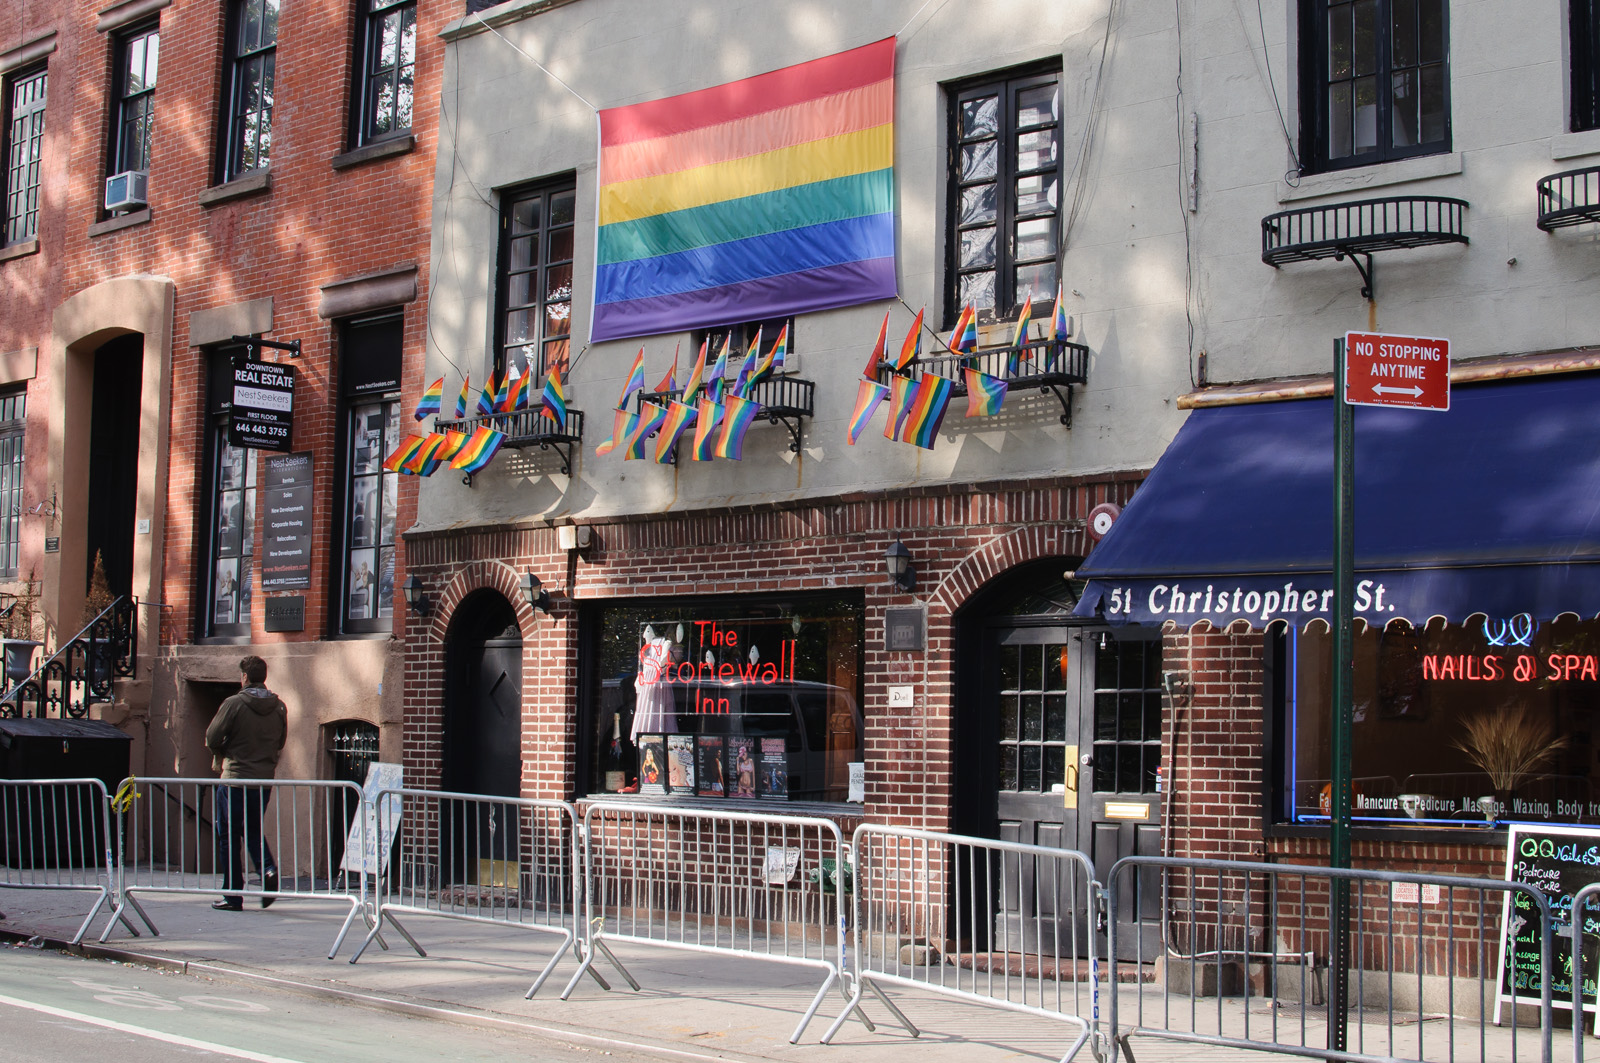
(745, 884)
(177, 836)
(1234, 953)
(503, 860)
(998, 923)
(56, 835)
(1582, 918)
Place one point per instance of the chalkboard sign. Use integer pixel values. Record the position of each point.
(1560, 861)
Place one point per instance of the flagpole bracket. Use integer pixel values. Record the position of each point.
(563, 447)
(1063, 393)
(788, 400)
(467, 479)
(791, 421)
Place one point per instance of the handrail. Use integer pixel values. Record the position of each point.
(104, 649)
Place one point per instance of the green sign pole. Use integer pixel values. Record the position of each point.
(1344, 579)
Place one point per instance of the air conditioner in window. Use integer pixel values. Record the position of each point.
(128, 189)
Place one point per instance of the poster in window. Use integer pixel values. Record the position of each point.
(773, 772)
(390, 494)
(713, 780)
(680, 763)
(742, 758)
(364, 514)
(247, 528)
(386, 585)
(230, 518)
(363, 581)
(227, 584)
(652, 761)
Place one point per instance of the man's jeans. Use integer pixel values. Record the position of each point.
(239, 811)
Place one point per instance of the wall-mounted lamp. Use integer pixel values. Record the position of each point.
(897, 560)
(416, 595)
(533, 590)
(579, 537)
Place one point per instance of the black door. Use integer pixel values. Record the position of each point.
(482, 739)
(114, 460)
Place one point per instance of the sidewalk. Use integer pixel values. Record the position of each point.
(691, 1005)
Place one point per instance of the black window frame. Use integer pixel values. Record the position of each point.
(743, 334)
(1584, 57)
(1315, 120)
(252, 49)
(13, 431)
(1007, 85)
(371, 71)
(130, 104)
(537, 296)
(219, 370)
(352, 402)
(27, 94)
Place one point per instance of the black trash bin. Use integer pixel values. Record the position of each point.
(57, 826)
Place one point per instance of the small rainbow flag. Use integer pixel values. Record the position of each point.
(453, 442)
(1024, 316)
(871, 371)
(478, 451)
(735, 423)
(431, 399)
(461, 399)
(486, 398)
(747, 368)
(619, 432)
(719, 371)
(697, 375)
(985, 393)
(670, 381)
(505, 399)
(553, 403)
(911, 346)
(773, 362)
(928, 404)
(709, 419)
(426, 459)
(868, 395)
(396, 462)
(1058, 316)
(964, 336)
(899, 403)
(679, 418)
(648, 420)
(635, 381)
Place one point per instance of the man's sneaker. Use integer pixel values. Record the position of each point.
(228, 904)
(269, 882)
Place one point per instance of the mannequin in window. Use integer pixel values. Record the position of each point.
(654, 709)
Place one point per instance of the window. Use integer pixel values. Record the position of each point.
(23, 149)
(387, 68)
(535, 282)
(1585, 51)
(13, 414)
(742, 337)
(1375, 81)
(231, 522)
(1004, 196)
(370, 353)
(253, 49)
(1455, 725)
(753, 698)
(138, 53)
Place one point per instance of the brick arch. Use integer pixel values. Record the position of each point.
(1001, 553)
(476, 576)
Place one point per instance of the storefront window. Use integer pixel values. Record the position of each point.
(1467, 725)
(753, 699)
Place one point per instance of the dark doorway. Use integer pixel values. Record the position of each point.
(482, 737)
(1056, 745)
(352, 747)
(114, 460)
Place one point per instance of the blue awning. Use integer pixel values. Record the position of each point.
(1490, 508)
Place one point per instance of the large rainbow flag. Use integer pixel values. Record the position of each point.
(757, 199)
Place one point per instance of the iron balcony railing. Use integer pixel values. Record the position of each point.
(527, 428)
(1571, 197)
(1050, 365)
(82, 670)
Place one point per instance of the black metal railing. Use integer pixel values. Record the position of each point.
(1569, 198)
(82, 670)
(785, 400)
(1050, 365)
(1361, 229)
(527, 428)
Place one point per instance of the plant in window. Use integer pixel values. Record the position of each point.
(1509, 746)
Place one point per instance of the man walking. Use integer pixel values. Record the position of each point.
(247, 735)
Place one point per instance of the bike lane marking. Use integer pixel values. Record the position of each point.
(140, 1031)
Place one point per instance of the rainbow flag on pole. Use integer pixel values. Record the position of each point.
(899, 404)
(773, 362)
(461, 399)
(635, 381)
(486, 398)
(928, 403)
(964, 336)
(718, 386)
(619, 432)
(453, 442)
(431, 399)
(553, 403)
(647, 420)
(756, 199)
(876, 359)
(705, 430)
(679, 418)
(740, 412)
(427, 459)
(911, 346)
(396, 462)
(478, 451)
(868, 396)
(985, 393)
